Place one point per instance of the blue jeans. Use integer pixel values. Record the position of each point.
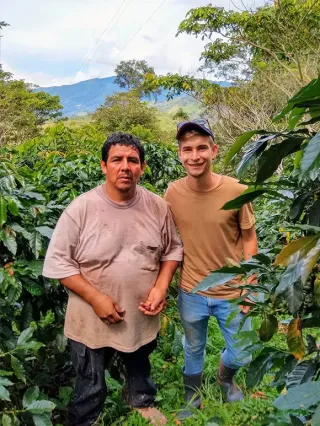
(195, 311)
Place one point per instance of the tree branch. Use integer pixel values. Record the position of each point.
(274, 56)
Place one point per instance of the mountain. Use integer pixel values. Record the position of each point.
(85, 97)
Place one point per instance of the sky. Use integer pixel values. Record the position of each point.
(57, 42)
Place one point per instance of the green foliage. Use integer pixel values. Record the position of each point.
(25, 297)
(164, 166)
(218, 277)
(290, 285)
(59, 141)
(267, 36)
(180, 115)
(303, 396)
(122, 111)
(38, 180)
(316, 417)
(233, 109)
(294, 290)
(40, 177)
(176, 84)
(269, 55)
(142, 133)
(260, 366)
(130, 75)
(23, 111)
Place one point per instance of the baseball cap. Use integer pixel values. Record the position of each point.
(198, 124)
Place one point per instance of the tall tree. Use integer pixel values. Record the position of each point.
(269, 52)
(283, 35)
(130, 75)
(23, 111)
(124, 110)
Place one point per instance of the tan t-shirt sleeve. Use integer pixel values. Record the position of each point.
(167, 195)
(172, 247)
(60, 258)
(246, 217)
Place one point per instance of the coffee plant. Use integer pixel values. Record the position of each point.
(37, 181)
(288, 293)
(39, 178)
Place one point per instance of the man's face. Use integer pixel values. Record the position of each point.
(196, 153)
(123, 168)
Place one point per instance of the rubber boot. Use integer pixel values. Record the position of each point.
(192, 386)
(225, 378)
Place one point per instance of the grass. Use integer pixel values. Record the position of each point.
(166, 372)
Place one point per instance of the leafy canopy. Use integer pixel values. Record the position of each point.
(180, 115)
(285, 35)
(123, 110)
(23, 111)
(130, 75)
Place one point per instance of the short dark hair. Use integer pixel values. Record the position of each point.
(120, 138)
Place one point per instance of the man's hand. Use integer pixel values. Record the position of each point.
(155, 302)
(157, 297)
(107, 309)
(245, 309)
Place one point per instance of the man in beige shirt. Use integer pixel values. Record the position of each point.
(116, 249)
(210, 236)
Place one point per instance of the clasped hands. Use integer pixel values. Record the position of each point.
(111, 313)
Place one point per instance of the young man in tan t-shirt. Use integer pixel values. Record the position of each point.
(210, 236)
(116, 249)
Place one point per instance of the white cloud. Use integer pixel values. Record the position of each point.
(40, 78)
(48, 40)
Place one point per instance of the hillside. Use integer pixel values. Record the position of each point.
(189, 105)
(85, 97)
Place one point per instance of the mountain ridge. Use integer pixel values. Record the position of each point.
(86, 96)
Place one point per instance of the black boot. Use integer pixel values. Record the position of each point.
(225, 378)
(192, 386)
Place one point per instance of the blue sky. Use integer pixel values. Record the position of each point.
(55, 42)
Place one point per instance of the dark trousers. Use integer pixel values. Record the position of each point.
(90, 386)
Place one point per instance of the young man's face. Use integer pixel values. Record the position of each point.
(196, 153)
(123, 168)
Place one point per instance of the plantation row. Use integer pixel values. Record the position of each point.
(37, 181)
(41, 177)
(267, 127)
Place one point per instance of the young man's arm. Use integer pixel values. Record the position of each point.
(249, 242)
(250, 248)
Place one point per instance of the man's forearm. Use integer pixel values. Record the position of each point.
(104, 306)
(167, 270)
(249, 243)
(81, 287)
(250, 248)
